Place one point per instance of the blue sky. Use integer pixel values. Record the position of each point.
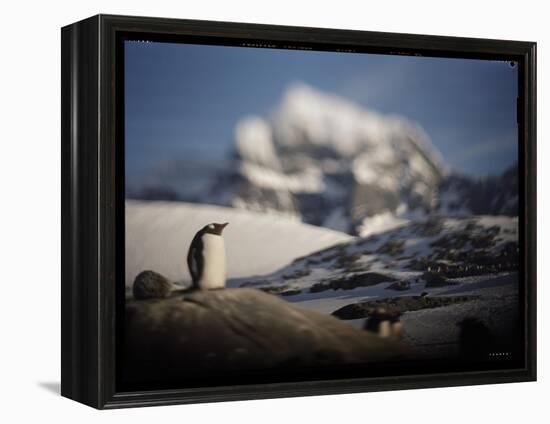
(183, 101)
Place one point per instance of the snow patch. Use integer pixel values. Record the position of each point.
(308, 181)
(381, 222)
(158, 235)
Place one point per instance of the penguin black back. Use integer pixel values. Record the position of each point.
(195, 258)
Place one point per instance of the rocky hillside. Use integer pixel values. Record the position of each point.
(427, 255)
(446, 279)
(459, 194)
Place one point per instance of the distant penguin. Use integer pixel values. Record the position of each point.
(206, 258)
(386, 324)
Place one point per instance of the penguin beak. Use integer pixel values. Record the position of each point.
(222, 226)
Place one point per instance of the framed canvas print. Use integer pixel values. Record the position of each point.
(254, 211)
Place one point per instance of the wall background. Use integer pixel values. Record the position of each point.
(30, 212)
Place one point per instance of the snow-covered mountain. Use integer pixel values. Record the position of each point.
(330, 162)
(483, 196)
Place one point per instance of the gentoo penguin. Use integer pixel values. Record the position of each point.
(386, 324)
(206, 258)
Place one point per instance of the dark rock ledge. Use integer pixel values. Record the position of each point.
(354, 281)
(399, 305)
(239, 329)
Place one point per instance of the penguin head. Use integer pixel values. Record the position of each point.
(215, 228)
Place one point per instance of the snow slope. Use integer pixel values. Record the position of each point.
(158, 236)
(451, 251)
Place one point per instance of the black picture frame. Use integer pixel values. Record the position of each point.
(93, 211)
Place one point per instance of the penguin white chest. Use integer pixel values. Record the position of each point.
(213, 275)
